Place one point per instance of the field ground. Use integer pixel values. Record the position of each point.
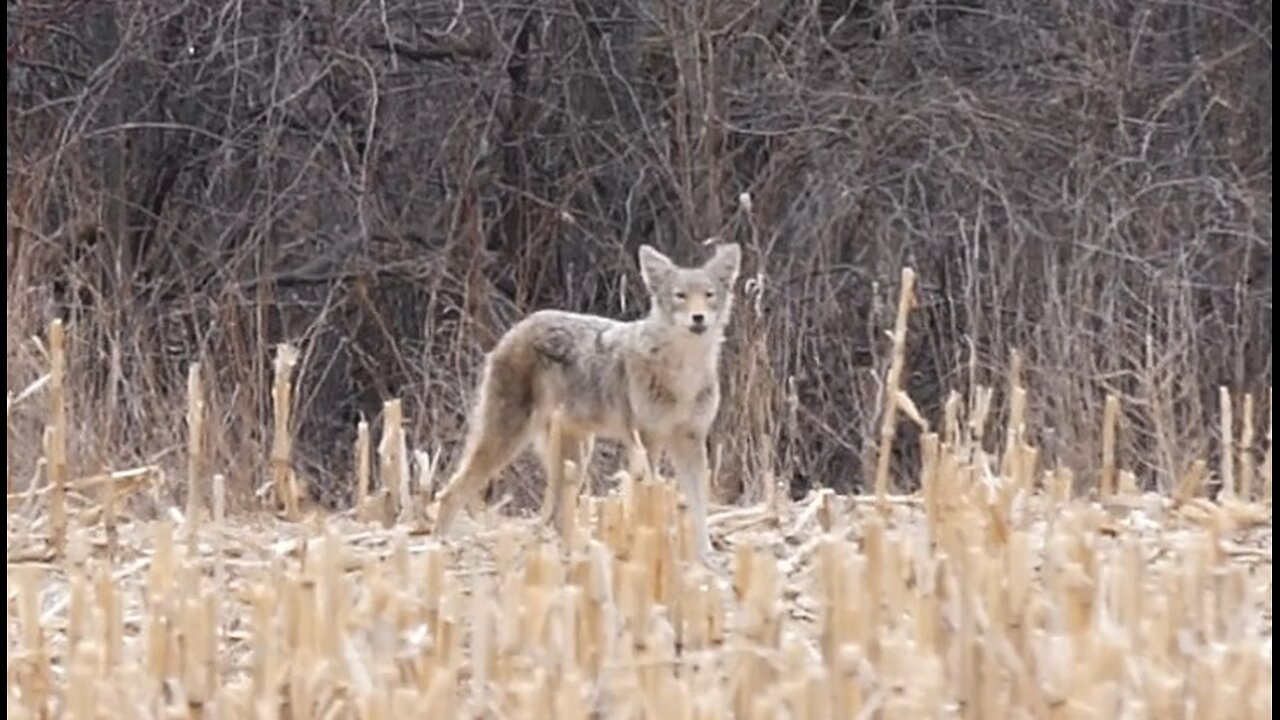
(1029, 604)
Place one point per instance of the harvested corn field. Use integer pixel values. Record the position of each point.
(987, 594)
(999, 589)
(973, 298)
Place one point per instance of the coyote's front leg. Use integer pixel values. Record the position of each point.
(688, 451)
(562, 488)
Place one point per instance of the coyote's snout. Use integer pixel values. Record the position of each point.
(656, 378)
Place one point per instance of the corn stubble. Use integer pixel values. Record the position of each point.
(999, 589)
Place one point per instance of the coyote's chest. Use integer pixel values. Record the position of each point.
(671, 387)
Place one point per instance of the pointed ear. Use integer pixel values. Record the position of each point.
(725, 264)
(655, 268)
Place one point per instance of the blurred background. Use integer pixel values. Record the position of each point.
(390, 184)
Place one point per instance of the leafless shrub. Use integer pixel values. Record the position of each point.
(388, 184)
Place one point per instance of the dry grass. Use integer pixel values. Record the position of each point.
(1138, 609)
(997, 591)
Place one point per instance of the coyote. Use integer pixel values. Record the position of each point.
(654, 379)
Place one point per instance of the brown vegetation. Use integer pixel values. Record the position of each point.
(388, 185)
(1008, 265)
(993, 591)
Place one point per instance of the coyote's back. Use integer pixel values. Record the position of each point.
(655, 379)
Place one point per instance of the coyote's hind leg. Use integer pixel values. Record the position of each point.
(499, 431)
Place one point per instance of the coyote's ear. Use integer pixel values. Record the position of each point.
(655, 268)
(725, 264)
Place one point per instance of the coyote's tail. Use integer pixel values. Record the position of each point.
(499, 426)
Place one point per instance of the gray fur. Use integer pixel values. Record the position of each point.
(656, 378)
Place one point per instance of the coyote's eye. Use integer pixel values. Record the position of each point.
(681, 295)
(711, 295)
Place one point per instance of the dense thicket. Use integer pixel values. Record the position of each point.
(389, 184)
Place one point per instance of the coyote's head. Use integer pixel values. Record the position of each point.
(698, 299)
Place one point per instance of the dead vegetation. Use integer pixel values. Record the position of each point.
(1000, 588)
(389, 185)
(255, 251)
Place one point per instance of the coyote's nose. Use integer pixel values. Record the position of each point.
(698, 318)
